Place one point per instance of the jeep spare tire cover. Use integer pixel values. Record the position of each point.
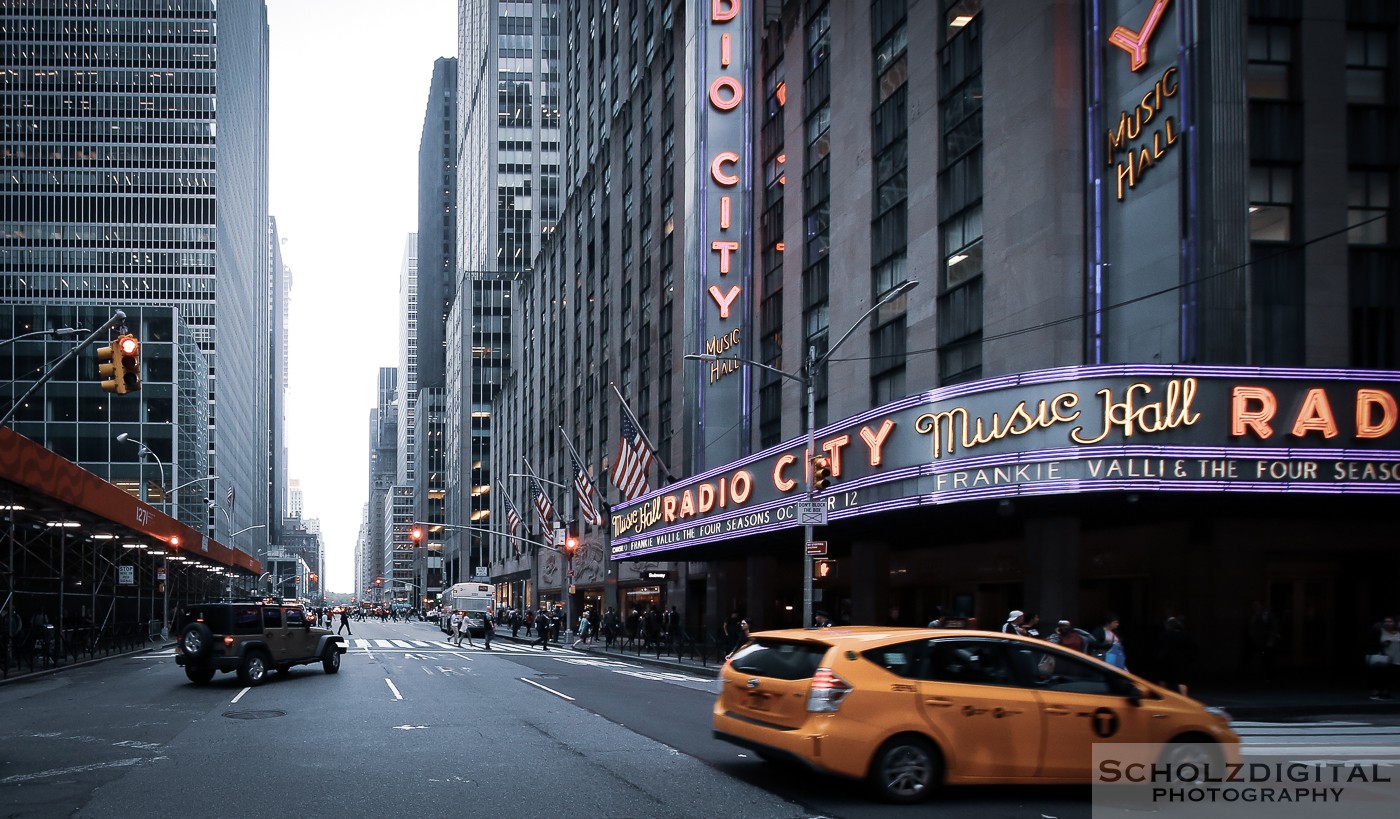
(197, 640)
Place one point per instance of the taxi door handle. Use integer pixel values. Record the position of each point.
(1056, 710)
(938, 702)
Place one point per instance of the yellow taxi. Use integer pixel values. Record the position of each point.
(910, 709)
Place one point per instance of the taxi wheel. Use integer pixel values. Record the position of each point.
(1193, 753)
(905, 770)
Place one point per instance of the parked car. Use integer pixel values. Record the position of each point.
(251, 639)
(910, 709)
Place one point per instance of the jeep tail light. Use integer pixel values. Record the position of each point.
(228, 640)
(827, 692)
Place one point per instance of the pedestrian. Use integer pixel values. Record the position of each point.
(1031, 626)
(488, 626)
(742, 636)
(1176, 655)
(610, 626)
(1383, 658)
(1013, 622)
(822, 620)
(515, 620)
(734, 636)
(542, 629)
(464, 631)
(585, 631)
(344, 622)
(454, 635)
(1107, 645)
(1068, 636)
(937, 621)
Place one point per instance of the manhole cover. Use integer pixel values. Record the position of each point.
(254, 714)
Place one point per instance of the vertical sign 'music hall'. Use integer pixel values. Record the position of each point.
(720, 232)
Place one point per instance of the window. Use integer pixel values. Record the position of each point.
(972, 662)
(1368, 198)
(272, 617)
(1270, 57)
(1270, 204)
(296, 617)
(1052, 670)
(1367, 59)
(903, 659)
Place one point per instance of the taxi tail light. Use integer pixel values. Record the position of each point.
(228, 640)
(827, 692)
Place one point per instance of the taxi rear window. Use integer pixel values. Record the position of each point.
(779, 660)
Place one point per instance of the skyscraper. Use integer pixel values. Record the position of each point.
(508, 195)
(127, 187)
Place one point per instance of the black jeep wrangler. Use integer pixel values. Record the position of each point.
(251, 638)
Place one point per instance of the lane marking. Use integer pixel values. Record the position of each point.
(547, 688)
(240, 695)
(397, 695)
(119, 763)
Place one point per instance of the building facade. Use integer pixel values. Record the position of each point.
(508, 165)
(1141, 371)
(116, 171)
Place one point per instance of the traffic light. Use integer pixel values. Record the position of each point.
(822, 568)
(571, 539)
(109, 368)
(821, 473)
(416, 533)
(128, 360)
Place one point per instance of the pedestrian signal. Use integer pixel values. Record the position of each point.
(822, 568)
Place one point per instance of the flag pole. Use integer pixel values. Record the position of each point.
(597, 486)
(655, 453)
(540, 484)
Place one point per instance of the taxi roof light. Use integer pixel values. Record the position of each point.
(827, 692)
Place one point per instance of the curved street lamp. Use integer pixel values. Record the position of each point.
(145, 450)
(62, 331)
(808, 381)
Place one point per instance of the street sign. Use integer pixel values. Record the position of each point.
(816, 548)
(126, 575)
(480, 571)
(160, 574)
(811, 513)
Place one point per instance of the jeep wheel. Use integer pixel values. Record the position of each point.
(199, 674)
(330, 660)
(253, 670)
(196, 641)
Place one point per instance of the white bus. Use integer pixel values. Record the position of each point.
(471, 598)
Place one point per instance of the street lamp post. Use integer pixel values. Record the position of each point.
(143, 493)
(808, 381)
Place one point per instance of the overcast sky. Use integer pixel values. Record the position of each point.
(349, 89)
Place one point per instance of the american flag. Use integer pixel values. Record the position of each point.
(542, 504)
(230, 497)
(583, 488)
(513, 521)
(633, 461)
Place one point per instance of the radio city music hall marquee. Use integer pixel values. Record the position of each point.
(1063, 431)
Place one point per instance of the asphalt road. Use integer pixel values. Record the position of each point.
(412, 726)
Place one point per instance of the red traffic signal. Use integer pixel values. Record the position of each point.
(416, 533)
(571, 545)
(821, 472)
(128, 363)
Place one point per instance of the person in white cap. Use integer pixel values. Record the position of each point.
(1013, 623)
